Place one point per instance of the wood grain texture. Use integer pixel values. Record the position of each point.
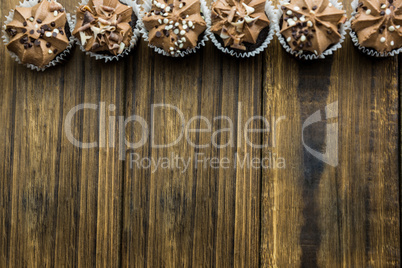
(193, 218)
(7, 114)
(281, 213)
(62, 206)
(315, 215)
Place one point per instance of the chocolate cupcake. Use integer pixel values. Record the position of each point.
(311, 29)
(37, 34)
(106, 29)
(175, 27)
(241, 28)
(376, 27)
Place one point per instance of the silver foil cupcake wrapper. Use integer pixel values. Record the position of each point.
(6, 39)
(270, 11)
(344, 27)
(147, 6)
(134, 39)
(368, 51)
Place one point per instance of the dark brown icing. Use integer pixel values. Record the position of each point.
(37, 34)
(104, 26)
(174, 25)
(238, 21)
(311, 25)
(378, 24)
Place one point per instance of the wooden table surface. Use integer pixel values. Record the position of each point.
(62, 206)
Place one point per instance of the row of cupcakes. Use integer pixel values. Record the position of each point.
(37, 33)
(40, 33)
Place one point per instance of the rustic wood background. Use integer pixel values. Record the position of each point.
(62, 206)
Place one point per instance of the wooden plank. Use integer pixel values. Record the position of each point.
(369, 200)
(314, 214)
(34, 175)
(139, 98)
(7, 116)
(168, 206)
(63, 203)
(248, 178)
(234, 206)
(204, 216)
(91, 193)
(281, 211)
(110, 188)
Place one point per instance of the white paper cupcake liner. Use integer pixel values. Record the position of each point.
(270, 11)
(147, 6)
(134, 39)
(344, 27)
(6, 39)
(368, 51)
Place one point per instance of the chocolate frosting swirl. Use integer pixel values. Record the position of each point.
(311, 25)
(37, 33)
(104, 26)
(238, 21)
(378, 24)
(174, 25)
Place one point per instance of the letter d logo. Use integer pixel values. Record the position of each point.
(331, 155)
